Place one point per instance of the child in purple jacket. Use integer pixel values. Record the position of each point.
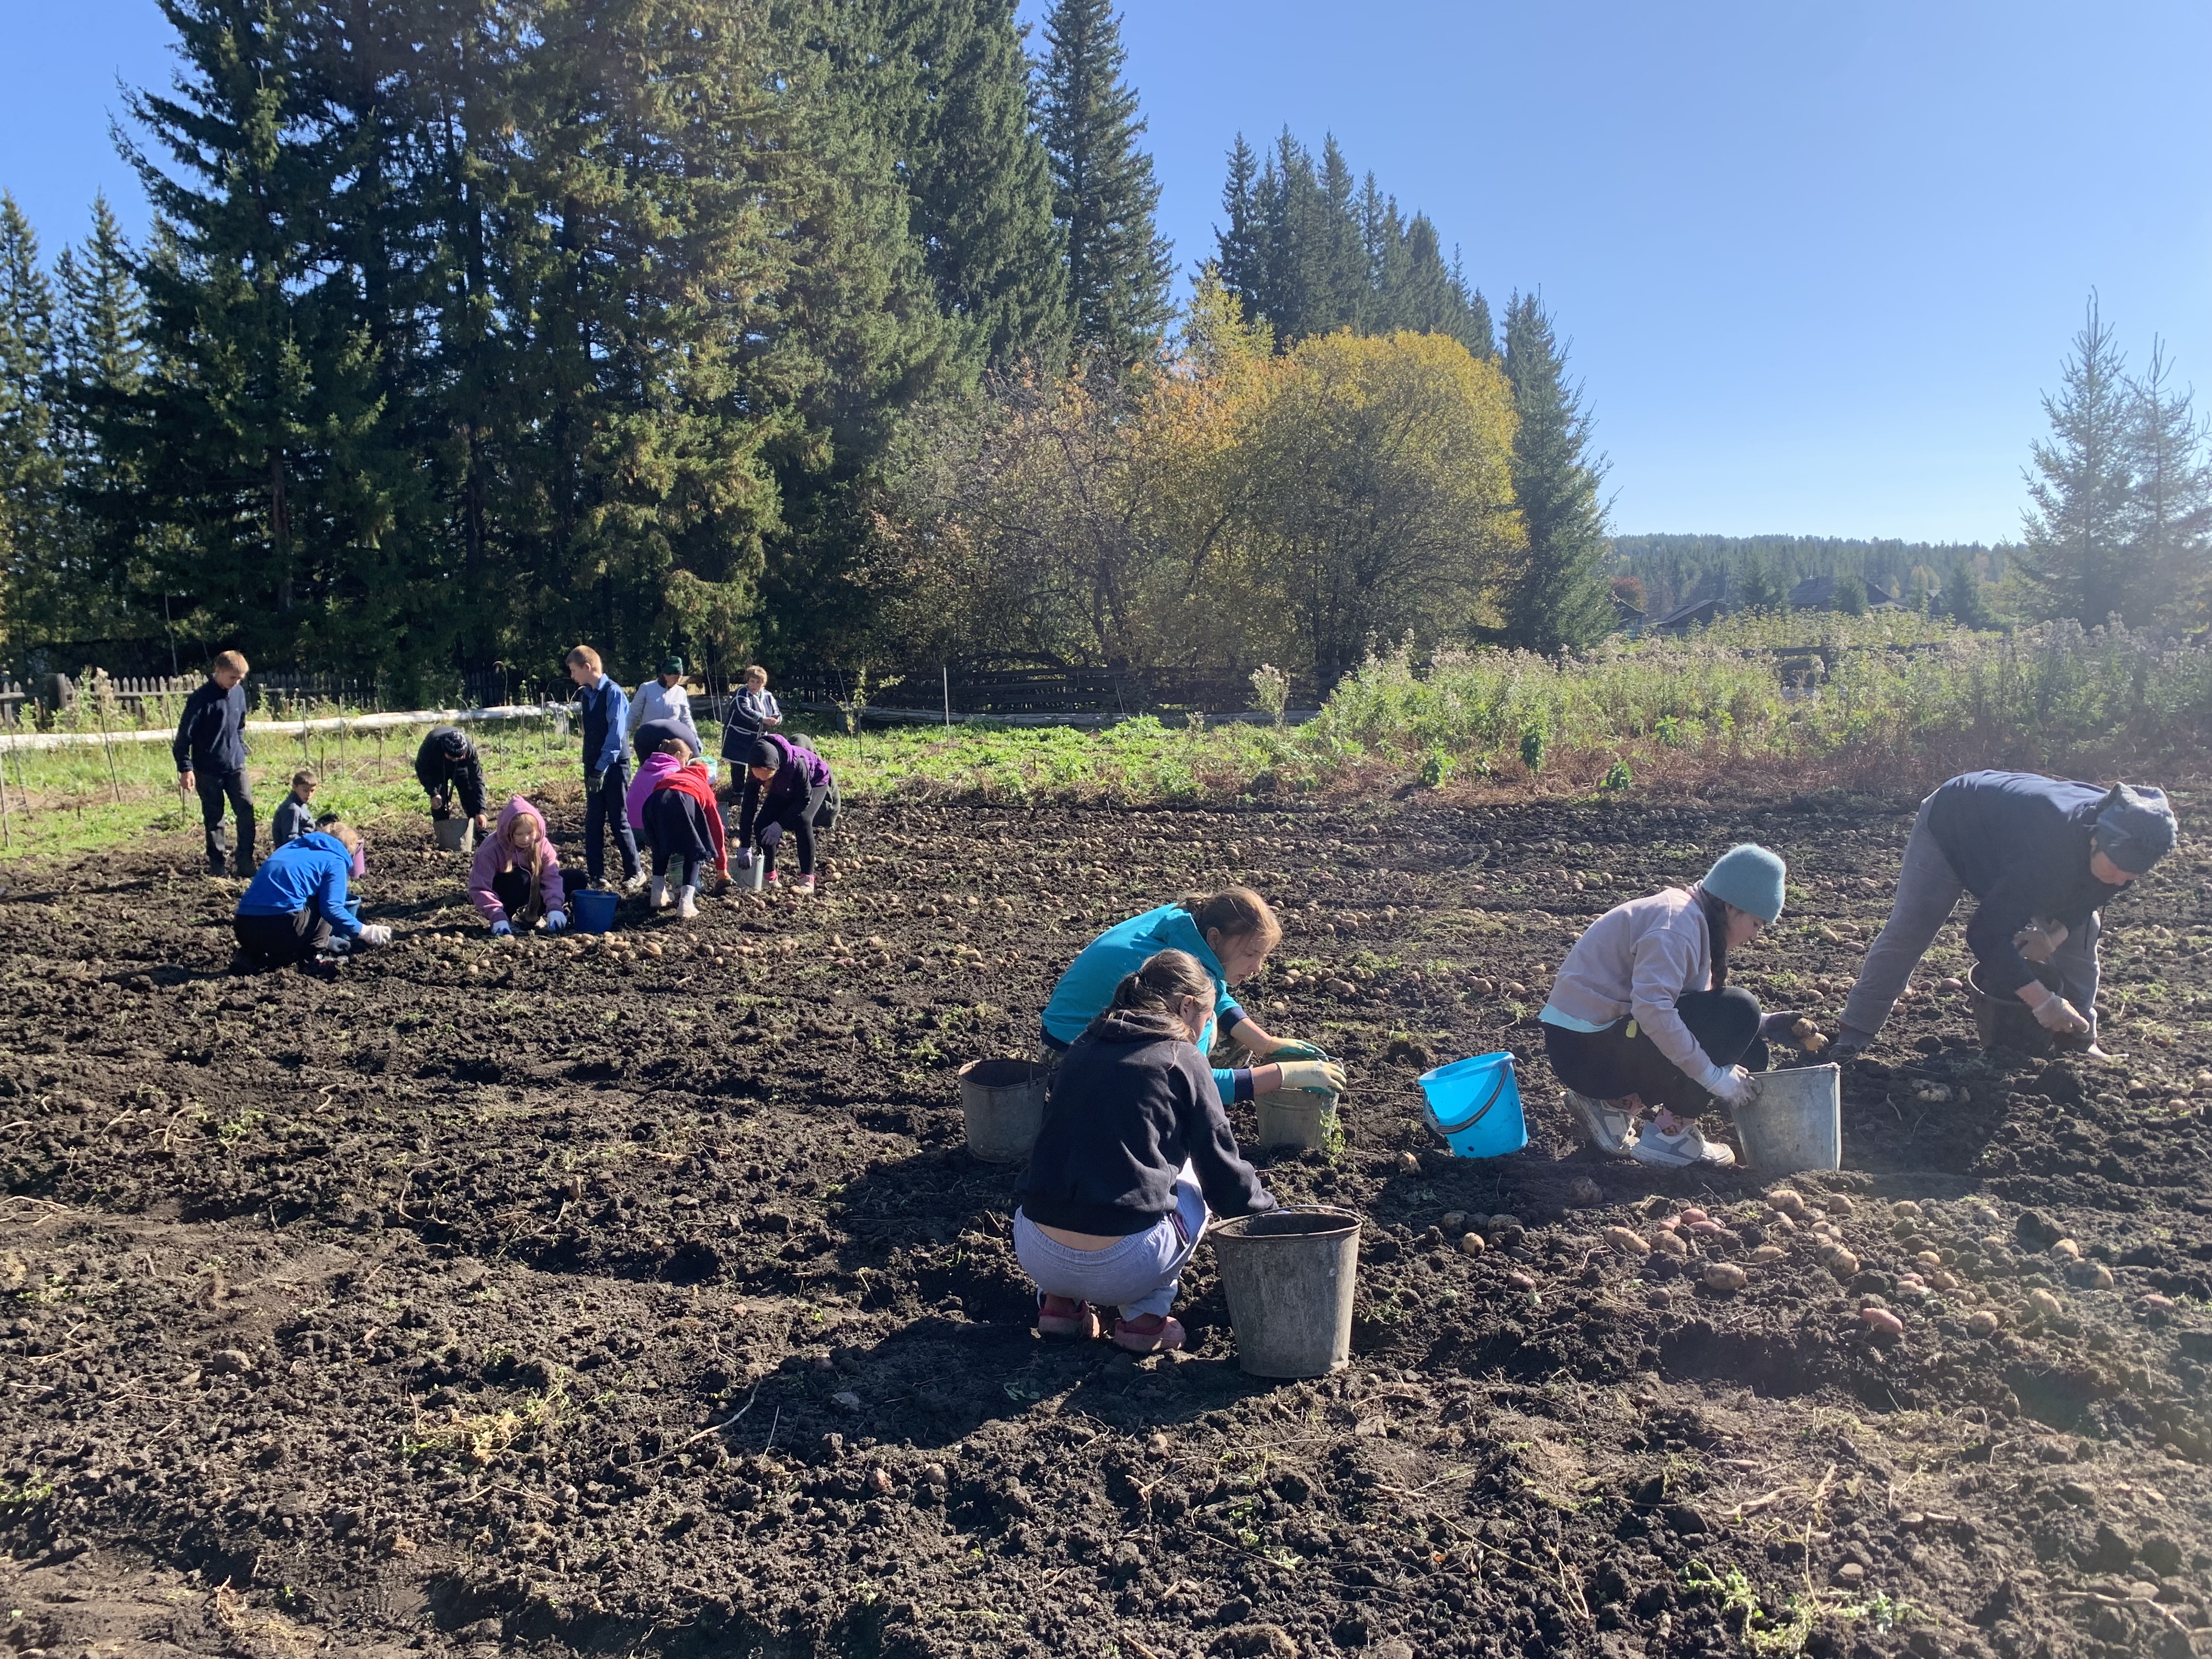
(786, 790)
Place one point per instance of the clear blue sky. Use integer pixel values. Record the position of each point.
(1816, 262)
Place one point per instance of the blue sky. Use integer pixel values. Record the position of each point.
(1816, 262)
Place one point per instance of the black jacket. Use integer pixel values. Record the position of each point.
(441, 774)
(1132, 1101)
(211, 736)
(2020, 842)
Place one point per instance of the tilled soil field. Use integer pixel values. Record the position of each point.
(641, 1297)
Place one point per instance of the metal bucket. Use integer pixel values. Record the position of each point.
(454, 835)
(2006, 1022)
(749, 875)
(1002, 1103)
(1793, 1120)
(1290, 1277)
(1295, 1117)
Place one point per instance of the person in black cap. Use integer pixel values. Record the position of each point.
(2044, 856)
(447, 765)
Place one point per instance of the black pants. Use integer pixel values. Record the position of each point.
(215, 789)
(798, 822)
(1609, 1064)
(606, 809)
(676, 828)
(512, 889)
(275, 941)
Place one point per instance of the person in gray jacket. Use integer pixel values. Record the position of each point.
(1642, 1014)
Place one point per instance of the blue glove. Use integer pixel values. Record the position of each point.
(556, 921)
(502, 929)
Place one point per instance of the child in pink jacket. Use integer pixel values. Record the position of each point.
(515, 879)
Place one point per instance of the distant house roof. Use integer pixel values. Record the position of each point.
(1696, 614)
(1626, 616)
(1819, 594)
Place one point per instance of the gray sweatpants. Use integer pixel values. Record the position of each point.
(1928, 890)
(1140, 1275)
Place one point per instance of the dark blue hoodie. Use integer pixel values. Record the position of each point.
(309, 870)
(211, 736)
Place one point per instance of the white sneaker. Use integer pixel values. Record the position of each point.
(658, 898)
(687, 903)
(634, 880)
(1686, 1149)
(1603, 1124)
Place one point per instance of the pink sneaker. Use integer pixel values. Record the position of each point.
(1063, 1316)
(1151, 1333)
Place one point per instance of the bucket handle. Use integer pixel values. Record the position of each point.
(1504, 1072)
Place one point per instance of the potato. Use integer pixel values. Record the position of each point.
(1982, 1323)
(2067, 1249)
(1842, 1264)
(1725, 1276)
(2046, 1303)
(1766, 1253)
(1838, 1203)
(1693, 1213)
(1472, 1244)
(1625, 1243)
(1881, 1322)
(1671, 1243)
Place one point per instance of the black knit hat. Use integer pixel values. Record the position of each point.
(764, 754)
(453, 742)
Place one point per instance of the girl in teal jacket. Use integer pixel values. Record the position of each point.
(1230, 934)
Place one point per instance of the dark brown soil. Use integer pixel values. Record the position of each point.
(550, 1298)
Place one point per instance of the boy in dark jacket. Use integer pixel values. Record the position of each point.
(294, 814)
(1134, 1150)
(785, 788)
(211, 755)
(447, 765)
(606, 769)
(2044, 856)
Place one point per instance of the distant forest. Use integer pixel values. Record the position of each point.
(1671, 571)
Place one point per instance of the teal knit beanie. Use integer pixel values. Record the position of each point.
(1749, 878)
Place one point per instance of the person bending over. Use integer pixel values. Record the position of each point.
(293, 815)
(2044, 856)
(1642, 1014)
(1134, 1150)
(683, 826)
(785, 787)
(447, 765)
(295, 907)
(210, 755)
(1229, 934)
(514, 880)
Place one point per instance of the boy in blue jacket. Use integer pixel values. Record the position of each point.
(606, 769)
(211, 755)
(297, 906)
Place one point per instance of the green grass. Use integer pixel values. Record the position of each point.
(1901, 690)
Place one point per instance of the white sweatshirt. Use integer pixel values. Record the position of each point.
(1636, 959)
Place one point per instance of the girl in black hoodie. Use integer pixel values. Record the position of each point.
(1134, 1150)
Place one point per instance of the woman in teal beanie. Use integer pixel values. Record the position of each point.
(1642, 1014)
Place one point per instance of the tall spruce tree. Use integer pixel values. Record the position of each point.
(31, 474)
(2080, 490)
(1560, 598)
(1104, 195)
(2170, 523)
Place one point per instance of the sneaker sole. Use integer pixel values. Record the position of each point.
(1591, 1125)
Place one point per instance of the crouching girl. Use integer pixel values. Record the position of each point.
(1642, 1014)
(297, 906)
(682, 826)
(515, 880)
(1134, 1150)
(1229, 934)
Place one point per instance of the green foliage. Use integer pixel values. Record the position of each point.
(1560, 598)
(1104, 194)
(1617, 777)
(1436, 769)
(1532, 750)
(1271, 692)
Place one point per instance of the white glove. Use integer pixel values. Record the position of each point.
(2053, 1013)
(2039, 940)
(376, 934)
(1728, 1084)
(502, 928)
(556, 920)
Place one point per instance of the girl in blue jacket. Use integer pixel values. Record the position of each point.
(1229, 933)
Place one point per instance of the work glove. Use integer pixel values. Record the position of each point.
(1728, 1084)
(376, 934)
(2039, 940)
(556, 921)
(1772, 1026)
(1296, 1050)
(502, 928)
(1315, 1077)
(2056, 1015)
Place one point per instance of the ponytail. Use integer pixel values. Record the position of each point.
(1716, 932)
(1163, 979)
(1235, 912)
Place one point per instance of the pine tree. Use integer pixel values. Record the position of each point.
(30, 460)
(1756, 586)
(1105, 196)
(1560, 599)
(2081, 490)
(2170, 526)
(1240, 261)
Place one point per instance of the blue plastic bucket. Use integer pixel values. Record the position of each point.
(594, 910)
(1475, 1105)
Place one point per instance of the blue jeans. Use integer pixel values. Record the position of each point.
(1928, 890)
(605, 809)
(1140, 1275)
